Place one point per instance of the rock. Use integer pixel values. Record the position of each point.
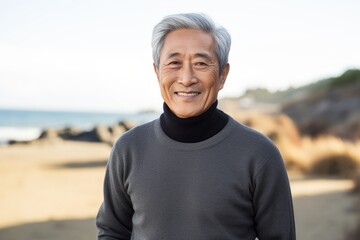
(127, 124)
(13, 142)
(100, 133)
(103, 134)
(49, 134)
(69, 133)
(116, 131)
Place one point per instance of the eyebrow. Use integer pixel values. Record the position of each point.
(199, 55)
(203, 55)
(172, 54)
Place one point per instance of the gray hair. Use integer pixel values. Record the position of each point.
(191, 21)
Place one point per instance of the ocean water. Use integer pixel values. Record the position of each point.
(27, 125)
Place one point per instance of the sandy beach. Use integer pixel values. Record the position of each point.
(52, 190)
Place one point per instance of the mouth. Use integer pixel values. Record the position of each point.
(187, 94)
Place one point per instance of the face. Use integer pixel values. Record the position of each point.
(188, 72)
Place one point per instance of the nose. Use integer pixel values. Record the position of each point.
(187, 75)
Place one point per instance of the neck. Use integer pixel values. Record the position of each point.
(193, 129)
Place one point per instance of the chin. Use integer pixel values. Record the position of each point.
(187, 114)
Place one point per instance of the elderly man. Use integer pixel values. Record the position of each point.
(194, 173)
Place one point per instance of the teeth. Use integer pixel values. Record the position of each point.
(191, 94)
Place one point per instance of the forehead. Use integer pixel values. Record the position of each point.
(188, 41)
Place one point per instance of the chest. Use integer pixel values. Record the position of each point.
(187, 184)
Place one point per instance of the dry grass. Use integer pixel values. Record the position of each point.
(323, 155)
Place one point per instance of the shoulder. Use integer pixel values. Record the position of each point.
(256, 149)
(250, 137)
(136, 135)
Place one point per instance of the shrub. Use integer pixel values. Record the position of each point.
(335, 165)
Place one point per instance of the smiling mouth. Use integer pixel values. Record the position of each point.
(187, 94)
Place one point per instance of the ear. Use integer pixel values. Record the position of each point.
(156, 71)
(223, 75)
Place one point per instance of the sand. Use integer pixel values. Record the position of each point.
(324, 208)
(53, 190)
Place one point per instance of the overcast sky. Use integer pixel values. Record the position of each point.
(96, 55)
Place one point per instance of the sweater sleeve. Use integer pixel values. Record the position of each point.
(272, 201)
(114, 219)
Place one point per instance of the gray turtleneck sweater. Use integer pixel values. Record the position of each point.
(230, 186)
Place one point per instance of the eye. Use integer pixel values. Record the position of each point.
(201, 64)
(174, 63)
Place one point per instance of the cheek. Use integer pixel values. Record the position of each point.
(165, 77)
(167, 80)
(165, 87)
(215, 87)
(214, 82)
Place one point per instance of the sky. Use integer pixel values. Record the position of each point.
(85, 55)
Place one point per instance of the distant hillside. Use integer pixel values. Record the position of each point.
(329, 106)
(262, 95)
(333, 109)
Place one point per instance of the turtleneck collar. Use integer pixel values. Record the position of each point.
(193, 129)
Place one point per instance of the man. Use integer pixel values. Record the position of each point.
(194, 173)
